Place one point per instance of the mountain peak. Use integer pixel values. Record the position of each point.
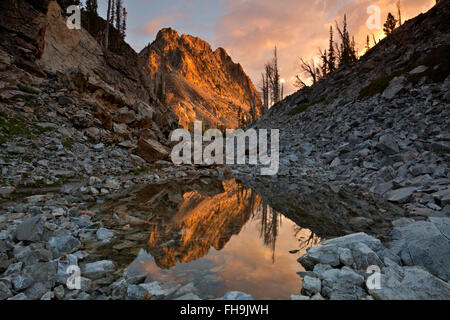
(204, 84)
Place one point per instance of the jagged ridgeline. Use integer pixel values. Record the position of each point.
(198, 83)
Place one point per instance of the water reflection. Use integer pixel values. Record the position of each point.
(217, 237)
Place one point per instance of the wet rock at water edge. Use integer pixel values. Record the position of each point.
(236, 295)
(311, 285)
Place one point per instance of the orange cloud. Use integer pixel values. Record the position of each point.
(250, 29)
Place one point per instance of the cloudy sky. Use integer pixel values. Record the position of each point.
(249, 29)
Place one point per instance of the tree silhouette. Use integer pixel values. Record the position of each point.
(390, 24)
(331, 53)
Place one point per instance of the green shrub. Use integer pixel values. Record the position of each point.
(67, 143)
(140, 170)
(304, 106)
(28, 89)
(375, 87)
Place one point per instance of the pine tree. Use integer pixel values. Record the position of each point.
(119, 14)
(91, 6)
(331, 53)
(390, 24)
(276, 78)
(324, 66)
(123, 29)
(346, 50)
(67, 3)
(113, 11)
(367, 43)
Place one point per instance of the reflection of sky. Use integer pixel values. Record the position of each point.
(245, 264)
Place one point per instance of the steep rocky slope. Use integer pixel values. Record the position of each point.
(380, 123)
(200, 83)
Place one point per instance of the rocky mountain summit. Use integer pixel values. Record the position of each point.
(199, 83)
(380, 125)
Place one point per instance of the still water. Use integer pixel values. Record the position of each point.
(213, 236)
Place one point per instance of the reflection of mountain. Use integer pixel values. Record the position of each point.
(202, 222)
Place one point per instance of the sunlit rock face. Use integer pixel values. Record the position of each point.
(201, 223)
(200, 84)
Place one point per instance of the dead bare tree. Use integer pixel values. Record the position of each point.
(399, 10)
(309, 69)
(108, 16)
(265, 91)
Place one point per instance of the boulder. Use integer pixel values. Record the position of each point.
(413, 283)
(395, 86)
(98, 269)
(311, 286)
(151, 150)
(424, 243)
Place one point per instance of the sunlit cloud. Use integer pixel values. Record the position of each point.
(250, 29)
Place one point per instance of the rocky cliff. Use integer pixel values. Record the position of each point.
(199, 83)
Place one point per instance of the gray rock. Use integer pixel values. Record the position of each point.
(395, 86)
(20, 296)
(236, 295)
(64, 244)
(21, 282)
(346, 257)
(364, 257)
(335, 163)
(135, 292)
(414, 283)
(321, 254)
(442, 196)
(48, 296)
(30, 230)
(43, 272)
(300, 297)
(154, 288)
(344, 284)
(188, 296)
(59, 292)
(97, 270)
(104, 234)
(311, 286)
(348, 240)
(319, 270)
(422, 243)
(5, 292)
(36, 291)
(388, 144)
(400, 195)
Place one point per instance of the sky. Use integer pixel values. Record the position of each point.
(250, 29)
